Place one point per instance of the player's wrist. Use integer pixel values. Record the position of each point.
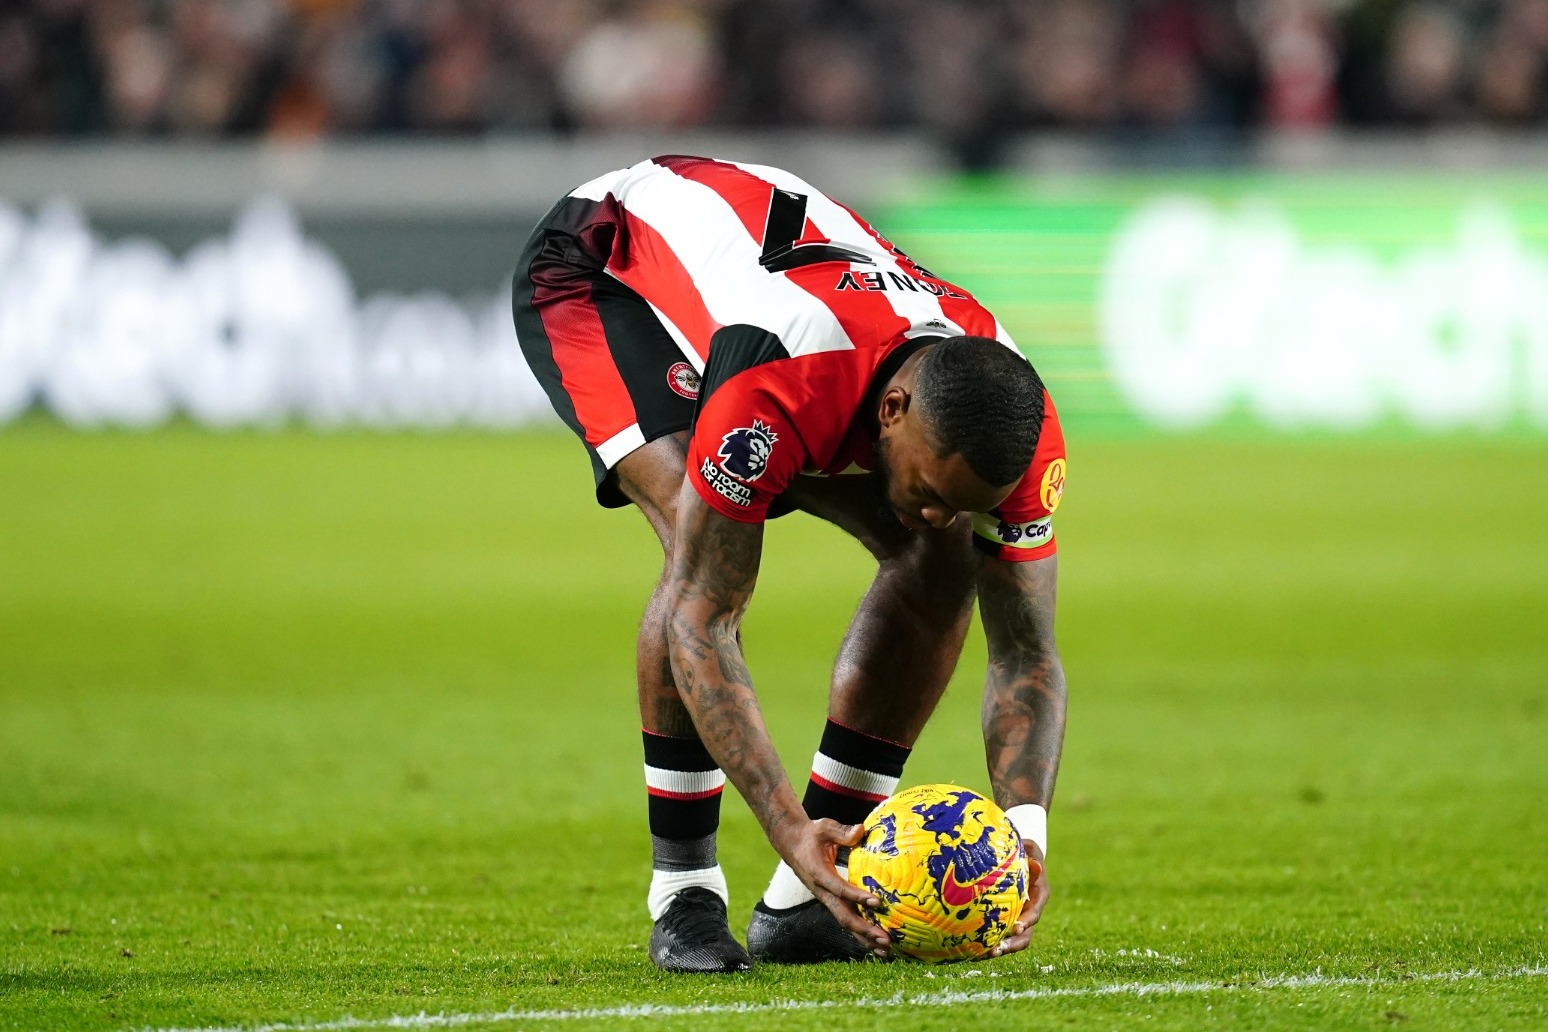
(787, 828)
(1031, 822)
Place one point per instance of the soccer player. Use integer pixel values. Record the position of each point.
(732, 345)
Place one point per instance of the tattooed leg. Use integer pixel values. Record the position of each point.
(715, 568)
(651, 478)
(683, 782)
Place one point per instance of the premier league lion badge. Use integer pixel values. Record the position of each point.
(744, 452)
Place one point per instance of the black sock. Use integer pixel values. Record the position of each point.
(685, 787)
(851, 773)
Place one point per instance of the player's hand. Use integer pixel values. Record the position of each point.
(811, 850)
(1037, 898)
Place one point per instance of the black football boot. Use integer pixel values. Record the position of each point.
(804, 934)
(693, 936)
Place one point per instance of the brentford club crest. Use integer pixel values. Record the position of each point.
(683, 380)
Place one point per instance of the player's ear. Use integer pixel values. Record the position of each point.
(894, 406)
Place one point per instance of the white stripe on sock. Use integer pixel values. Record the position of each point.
(853, 778)
(688, 782)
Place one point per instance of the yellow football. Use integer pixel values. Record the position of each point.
(948, 867)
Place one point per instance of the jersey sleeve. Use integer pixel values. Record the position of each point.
(1021, 529)
(744, 450)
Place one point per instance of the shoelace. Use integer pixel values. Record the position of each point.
(696, 917)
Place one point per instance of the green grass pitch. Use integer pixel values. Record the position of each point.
(299, 727)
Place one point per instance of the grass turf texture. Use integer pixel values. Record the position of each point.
(296, 727)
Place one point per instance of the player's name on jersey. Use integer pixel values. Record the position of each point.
(878, 281)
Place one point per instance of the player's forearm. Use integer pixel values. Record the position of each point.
(1024, 692)
(1023, 718)
(714, 571)
(716, 687)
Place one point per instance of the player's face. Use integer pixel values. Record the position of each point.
(926, 490)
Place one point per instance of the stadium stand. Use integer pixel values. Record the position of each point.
(970, 72)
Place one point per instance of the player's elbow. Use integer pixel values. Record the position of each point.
(696, 629)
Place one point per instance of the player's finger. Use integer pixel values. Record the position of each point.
(870, 936)
(1019, 939)
(1038, 899)
(840, 834)
(850, 891)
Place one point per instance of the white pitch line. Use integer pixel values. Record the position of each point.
(937, 999)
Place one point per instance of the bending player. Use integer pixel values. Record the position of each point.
(732, 345)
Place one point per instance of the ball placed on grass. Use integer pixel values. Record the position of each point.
(948, 866)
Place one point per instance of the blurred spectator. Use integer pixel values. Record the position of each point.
(969, 71)
(958, 76)
(1425, 63)
(650, 65)
(137, 61)
(1510, 65)
(448, 90)
(50, 74)
(19, 72)
(1189, 64)
(1300, 63)
(1067, 60)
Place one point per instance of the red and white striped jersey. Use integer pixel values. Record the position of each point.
(696, 245)
(790, 306)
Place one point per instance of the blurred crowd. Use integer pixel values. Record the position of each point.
(970, 70)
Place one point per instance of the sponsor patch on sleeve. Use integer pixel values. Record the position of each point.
(1052, 488)
(1033, 534)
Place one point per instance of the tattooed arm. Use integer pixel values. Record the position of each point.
(1024, 700)
(714, 569)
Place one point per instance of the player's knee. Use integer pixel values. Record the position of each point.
(651, 477)
(664, 523)
(945, 561)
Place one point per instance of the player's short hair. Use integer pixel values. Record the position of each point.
(982, 400)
